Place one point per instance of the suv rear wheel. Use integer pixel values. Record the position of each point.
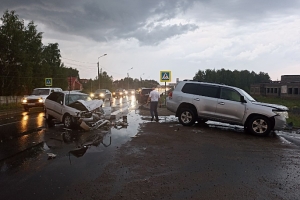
(259, 125)
(187, 117)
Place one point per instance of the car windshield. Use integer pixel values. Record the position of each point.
(247, 96)
(71, 98)
(41, 92)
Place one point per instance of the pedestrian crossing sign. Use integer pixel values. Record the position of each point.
(165, 76)
(48, 81)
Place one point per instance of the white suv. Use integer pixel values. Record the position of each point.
(193, 100)
(37, 98)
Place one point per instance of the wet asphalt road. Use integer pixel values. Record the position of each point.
(28, 173)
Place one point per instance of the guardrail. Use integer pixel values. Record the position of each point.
(10, 99)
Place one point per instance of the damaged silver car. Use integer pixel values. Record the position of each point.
(75, 109)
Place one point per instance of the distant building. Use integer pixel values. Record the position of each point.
(84, 81)
(74, 84)
(287, 87)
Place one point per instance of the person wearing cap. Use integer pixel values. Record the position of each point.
(153, 100)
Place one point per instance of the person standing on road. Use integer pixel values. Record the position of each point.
(153, 99)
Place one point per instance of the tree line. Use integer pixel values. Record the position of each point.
(242, 79)
(24, 61)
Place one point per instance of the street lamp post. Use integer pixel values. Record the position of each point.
(128, 78)
(141, 78)
(98, 70)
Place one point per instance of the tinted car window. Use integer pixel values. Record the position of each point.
(146, 91)
(56, 96)
(53, 96)
(230, 94)
(190, 88)
(200, 89)
(208, 91)
(40, 92)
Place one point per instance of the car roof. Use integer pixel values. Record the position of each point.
(101, 90)
(207, 83)
(47, 88)
(72, 92)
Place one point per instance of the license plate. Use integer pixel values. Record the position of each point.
(31, 104)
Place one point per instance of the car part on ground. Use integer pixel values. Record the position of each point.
(199, 101)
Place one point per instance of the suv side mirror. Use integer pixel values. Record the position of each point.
(242, 99)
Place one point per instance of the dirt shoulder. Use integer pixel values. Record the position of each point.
(168, 161)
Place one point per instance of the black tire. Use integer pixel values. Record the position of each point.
(187, 117)
(259, 125)
(26, 108)
(68, 121)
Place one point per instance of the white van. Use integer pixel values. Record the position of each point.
(37, 98)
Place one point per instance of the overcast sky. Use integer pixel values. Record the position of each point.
(143, 37)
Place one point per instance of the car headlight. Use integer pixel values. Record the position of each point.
(282, 113)
(41, 100)
(101, 95)
(24, 100)
(121, 93)
(132, 92)
(126, 92)
(92, 95)
(114, 93)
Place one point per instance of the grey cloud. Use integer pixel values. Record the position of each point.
(122, 19)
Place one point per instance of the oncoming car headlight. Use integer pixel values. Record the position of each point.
(284, 114)
(101, 95)
(92, 95)
(24, 100)
(41, 100)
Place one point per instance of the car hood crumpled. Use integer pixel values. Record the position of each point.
(279, 107)
(86, 105)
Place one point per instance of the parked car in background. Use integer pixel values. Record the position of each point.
(193, 100)
(131, 92)
(70, 106)
(119, 93)
(37, 97)
(103, 94)
(143, 95)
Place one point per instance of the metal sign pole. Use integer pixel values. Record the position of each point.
(165, 94)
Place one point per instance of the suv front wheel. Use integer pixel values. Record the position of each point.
(259, 125)
(187, 117)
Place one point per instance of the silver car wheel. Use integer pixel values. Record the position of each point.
(67, 121)
(259, 125)
(186, 117)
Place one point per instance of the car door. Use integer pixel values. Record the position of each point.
(204, 97)
(58, 105)
(206, 100)
(229, 106)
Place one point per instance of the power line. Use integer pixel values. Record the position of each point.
(78, 61)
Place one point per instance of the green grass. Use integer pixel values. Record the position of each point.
(292, 104)
(10, 106)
